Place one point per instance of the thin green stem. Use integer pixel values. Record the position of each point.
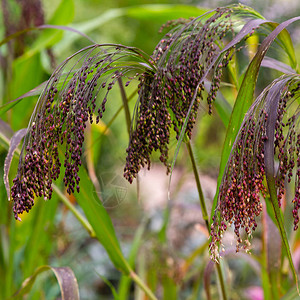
(221, 279)
(274, 286)
(125, 104)
(141, 284)
(114, 117)
(204, 213)
(274, 201)
(270, 177)
(76, 213)
(133, 275)
(128, 124)
(199, 188)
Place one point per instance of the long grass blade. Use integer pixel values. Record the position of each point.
(100, 222)
(34, 92)
(112, 288)
(125, 281)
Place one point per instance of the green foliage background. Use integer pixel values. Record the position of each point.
(50, 234)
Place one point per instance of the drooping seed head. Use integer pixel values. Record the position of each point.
(69, 101)
(190, 53)
(244, 179)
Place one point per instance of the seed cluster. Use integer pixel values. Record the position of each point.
(171, 86)
(171, 96)
(239, 200)
(243, 181)
(67, 104)
(287, 147)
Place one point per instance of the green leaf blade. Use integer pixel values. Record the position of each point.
(100, 221)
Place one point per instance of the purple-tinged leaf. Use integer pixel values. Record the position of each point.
(285, 42)
(247, 29)
(46, 26)
(15, 35)
(67, 282)
(5, 130)
(245, 98)
(272, 99)
(14, 143)
(34, 92)
(65, 277)
(67, 28)
(275, 64)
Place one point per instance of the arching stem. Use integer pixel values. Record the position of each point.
(204, 213)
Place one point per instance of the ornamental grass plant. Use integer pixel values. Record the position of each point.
(212, 63)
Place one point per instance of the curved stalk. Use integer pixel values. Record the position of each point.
(274, 201)
(125, 104)
(141, 284)
(275, 94)
(125, 101)
(221, 279)
(84, 222)
(199, 188)
(204, 213)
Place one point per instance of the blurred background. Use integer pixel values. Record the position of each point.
(60, 240)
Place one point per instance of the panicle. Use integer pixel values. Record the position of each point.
(244, 180)
(189, 52)
(171, 86)
(66, 105)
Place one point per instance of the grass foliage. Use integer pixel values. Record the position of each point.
(62, 137)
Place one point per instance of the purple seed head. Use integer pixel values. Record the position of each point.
(244, 179)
